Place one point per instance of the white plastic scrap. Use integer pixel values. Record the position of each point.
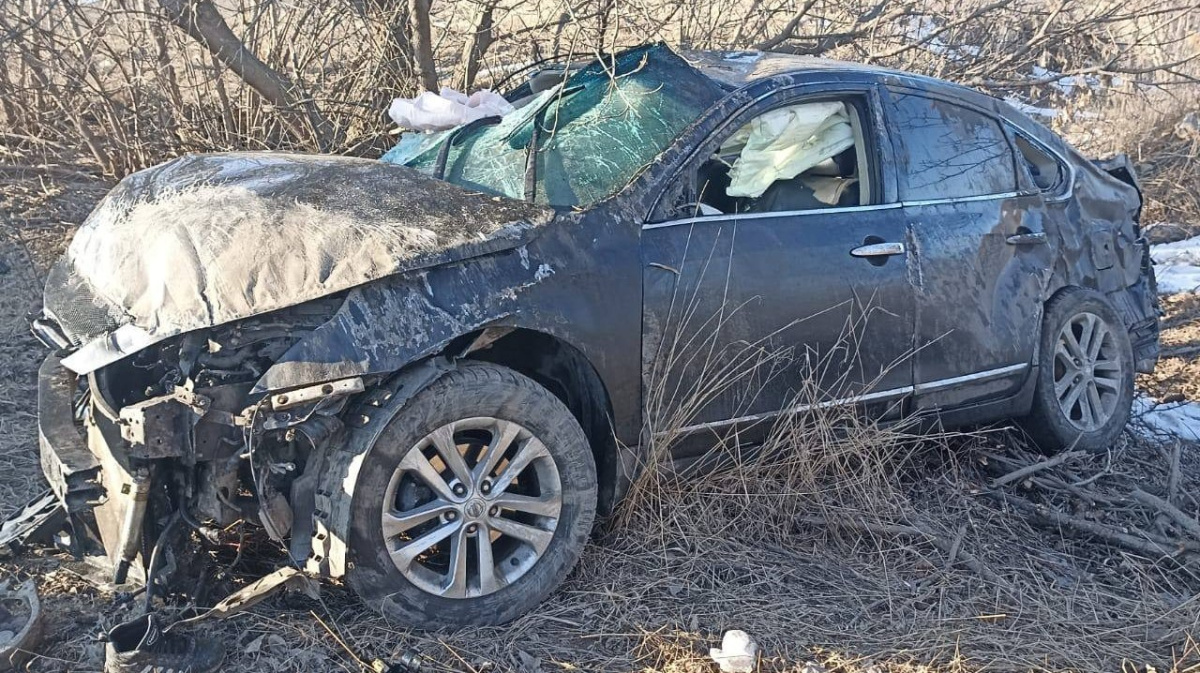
(738, 652)
(445, 110)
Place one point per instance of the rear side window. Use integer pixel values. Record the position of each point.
(945, 151)
(1045, 171)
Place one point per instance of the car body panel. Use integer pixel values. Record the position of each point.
(775, 306)
(579, 281)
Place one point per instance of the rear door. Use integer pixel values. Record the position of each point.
(775, 308)
(979, 248)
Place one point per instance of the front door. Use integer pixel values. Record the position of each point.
(781, 290)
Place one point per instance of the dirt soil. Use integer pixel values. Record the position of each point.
(1177, 376)
(864, 551)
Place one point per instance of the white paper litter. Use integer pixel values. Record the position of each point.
(738, 652)
(445, 110)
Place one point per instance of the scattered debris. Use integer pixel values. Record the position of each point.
(141, 645)
(20, 624)
(738, 652)
(35, 522)
(445, 110)
(409, 662)
(286, 578)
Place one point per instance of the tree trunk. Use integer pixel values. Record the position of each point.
(422, 39)
(201, 20)
(477, 45)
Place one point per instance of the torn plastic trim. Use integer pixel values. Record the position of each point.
(108, 348)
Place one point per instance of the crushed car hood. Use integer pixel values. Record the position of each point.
(210, 239)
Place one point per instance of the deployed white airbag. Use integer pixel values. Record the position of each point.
(783, 143)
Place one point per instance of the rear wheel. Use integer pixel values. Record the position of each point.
(1085, 375)
(475, 502)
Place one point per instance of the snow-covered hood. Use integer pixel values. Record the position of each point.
(210, 239)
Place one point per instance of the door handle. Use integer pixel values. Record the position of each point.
(1028, 238)
(878, 250)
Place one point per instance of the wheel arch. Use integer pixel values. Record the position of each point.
(567, 373)
(327, 488)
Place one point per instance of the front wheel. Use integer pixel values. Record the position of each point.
(1085, 375)
(475, 502)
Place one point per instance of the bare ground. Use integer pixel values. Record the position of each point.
(868, 551)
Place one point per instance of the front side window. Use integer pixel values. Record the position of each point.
(797, 157)
(945, 151)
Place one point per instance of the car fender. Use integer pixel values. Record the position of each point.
(383, 326)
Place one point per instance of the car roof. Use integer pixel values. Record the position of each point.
(736, 69)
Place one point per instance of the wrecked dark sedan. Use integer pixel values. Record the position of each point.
(428, 375)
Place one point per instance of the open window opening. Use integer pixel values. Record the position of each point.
(1045, 171)
(800, 157)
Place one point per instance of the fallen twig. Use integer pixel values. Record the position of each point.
(1091, 528)
(1017, 475)
(1173, 475)
(949, 547)
(1177, 515)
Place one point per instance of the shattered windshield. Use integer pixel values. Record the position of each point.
(597, 130)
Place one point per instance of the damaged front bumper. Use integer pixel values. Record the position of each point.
(101, 463)
(72, 470)
(119, 471)
(104, 495)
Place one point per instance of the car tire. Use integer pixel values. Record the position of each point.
(1084, 391)
(533, 547)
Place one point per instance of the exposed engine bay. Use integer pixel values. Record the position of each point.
(175, 428)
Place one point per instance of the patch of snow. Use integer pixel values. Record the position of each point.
(920, 29)
(1031, 110)
(1166, 420)
(1177, 265)
(543, 272)
(743, 56)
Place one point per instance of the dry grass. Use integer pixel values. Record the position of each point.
(1151, 127)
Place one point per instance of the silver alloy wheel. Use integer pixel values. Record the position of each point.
(471, 507)
(1087, 372)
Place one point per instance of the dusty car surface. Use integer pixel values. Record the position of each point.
(428, 374)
